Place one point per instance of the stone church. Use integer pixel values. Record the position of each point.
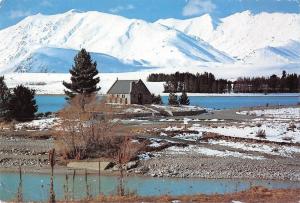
(128, 92)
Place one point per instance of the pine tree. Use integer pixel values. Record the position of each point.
(83, 80)
(184, 99)
(4, 99)
(22, 105)
(173, 99)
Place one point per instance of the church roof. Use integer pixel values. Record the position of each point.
(121, 87)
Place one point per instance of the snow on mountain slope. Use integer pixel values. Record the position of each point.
(57, 60)
(129, 40)
(241, 33)
(290, 53)
(200, 27)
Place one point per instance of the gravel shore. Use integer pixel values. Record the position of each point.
(189, 166)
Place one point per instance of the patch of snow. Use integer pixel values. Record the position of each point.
(155, 144)
(275, 131)
(41, 124)
(286, 151)
(144, 156)
(192, 149)
(173, 128)
(285, 113)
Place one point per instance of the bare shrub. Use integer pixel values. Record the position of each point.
(89, 132)
(261, 134)
(292, 127)
(128, 150)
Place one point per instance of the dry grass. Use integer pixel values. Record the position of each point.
(253, 195)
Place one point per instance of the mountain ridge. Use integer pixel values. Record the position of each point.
(202, 41)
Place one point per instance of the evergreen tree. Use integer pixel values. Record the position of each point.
(173, 99)
(22, 105)
(184, 99)
(83, 80)
(4, 99)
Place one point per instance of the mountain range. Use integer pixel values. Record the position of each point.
(48, 43)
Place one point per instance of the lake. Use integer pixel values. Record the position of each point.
(56, 102)
(36, 186)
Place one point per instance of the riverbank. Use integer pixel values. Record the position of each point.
(216, 145)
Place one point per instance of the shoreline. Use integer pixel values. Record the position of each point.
(207, 167)
(81, 172)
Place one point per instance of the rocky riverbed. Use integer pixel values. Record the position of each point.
(24, 152)
(190, 166)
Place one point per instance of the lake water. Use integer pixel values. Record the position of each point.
(36, 186)
(55, 103)
(50, 103)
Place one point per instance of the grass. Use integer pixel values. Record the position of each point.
(255, 194)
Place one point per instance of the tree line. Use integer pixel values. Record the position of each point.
(207, 83)
(286, 83)
(188, 82)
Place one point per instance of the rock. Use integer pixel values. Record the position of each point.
(142, 170)
(131, 165)
(153, 174)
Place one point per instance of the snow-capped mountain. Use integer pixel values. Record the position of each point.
(126, 39)
(242, 33)
(289, 53)
(48, 43)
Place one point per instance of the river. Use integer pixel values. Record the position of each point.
(36, 186)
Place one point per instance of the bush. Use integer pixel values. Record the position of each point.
(184, 99)
(173, 99)
(292, 127)
(22, 105)
(261, 134)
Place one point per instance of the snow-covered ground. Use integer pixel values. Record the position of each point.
(280, 125)
(286, 151)
(275, 131)
(41, 124)
(51, 83)
(192, 149)
(284, 113)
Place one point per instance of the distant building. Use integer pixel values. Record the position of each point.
(129, 92)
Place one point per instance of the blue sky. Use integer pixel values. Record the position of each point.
(12, 11)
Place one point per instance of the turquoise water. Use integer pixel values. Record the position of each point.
(36, 186)
(55, 103)
(50, 103)
(231, 102)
